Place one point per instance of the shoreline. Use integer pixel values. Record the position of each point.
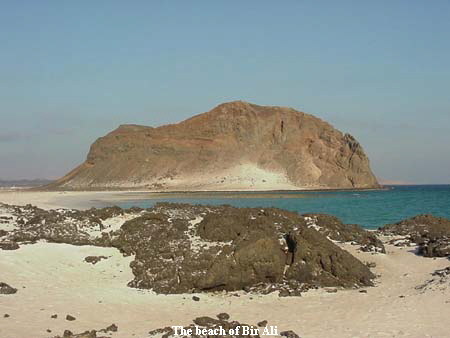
(231, 190)
(86, 199)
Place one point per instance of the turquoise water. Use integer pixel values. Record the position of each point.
(369, 209)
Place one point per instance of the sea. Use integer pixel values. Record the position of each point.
(370, 209)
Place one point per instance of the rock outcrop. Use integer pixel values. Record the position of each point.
(334, 229)
(210, 248)
(181, 248)
(430, 233)
(235, 146)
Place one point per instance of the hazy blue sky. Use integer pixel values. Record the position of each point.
(70, 71)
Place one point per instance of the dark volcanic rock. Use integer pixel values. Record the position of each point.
(334, 229)
(89, 334)
(8, 245)
(430, 233)
(262, 323)
(224, 248)
(58, 226)
(320, 262)
(223, 316)
(5, 289)
(70, 318)
(94, 259)
(181, 248)
(111, 328)
(215, 329)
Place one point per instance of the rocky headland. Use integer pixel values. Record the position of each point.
(235, 146)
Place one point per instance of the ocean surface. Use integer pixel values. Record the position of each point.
(370, 209)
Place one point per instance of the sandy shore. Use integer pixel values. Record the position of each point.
(54, 279)
(63, 199)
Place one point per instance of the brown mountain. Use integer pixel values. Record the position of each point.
(235, 146)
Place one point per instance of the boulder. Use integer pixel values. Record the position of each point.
(6, 289)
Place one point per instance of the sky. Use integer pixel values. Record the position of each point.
(71, 71)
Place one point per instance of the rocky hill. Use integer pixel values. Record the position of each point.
(235, 146)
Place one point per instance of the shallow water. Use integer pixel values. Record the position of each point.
(369, 209)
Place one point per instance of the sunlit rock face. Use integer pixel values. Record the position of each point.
(235, 146)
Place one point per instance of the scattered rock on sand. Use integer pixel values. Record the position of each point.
(430, 233)
(70, 318)
(6, 289)
(89, 334)
(440, 281)
(111, 328)
(94, 259)
(209, 323)
(223, 316)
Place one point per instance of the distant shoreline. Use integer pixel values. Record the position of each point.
(131, 189)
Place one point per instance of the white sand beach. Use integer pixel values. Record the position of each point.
(54, 279)
(57, 199)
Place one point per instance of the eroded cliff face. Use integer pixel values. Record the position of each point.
(235, 146)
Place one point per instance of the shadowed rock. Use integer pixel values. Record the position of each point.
(228, 248)
(9, 245)
(94, 259)
(6, 289)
